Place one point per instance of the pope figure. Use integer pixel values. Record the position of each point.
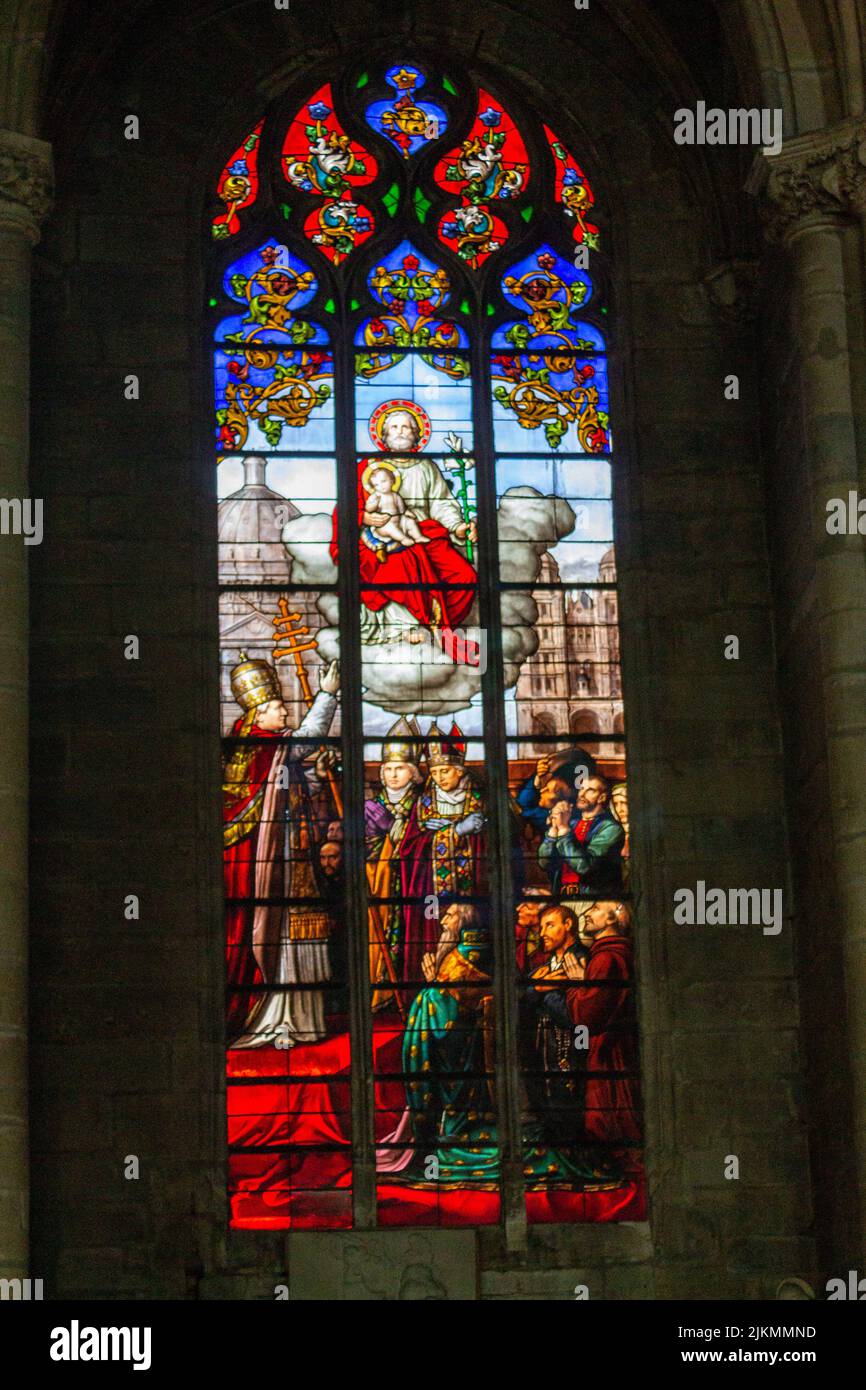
(271, 852)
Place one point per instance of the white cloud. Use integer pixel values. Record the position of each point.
(413, 679)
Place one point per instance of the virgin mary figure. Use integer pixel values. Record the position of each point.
(424, 588)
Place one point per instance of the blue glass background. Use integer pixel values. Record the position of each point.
(448, 403)
(239, 323)
(318, 433)
(586, 486)
(251, 262)
(511, 437)
(562, 268)
(576, 337)
(376, 109)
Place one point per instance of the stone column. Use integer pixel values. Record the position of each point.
(25, 181)
(815, 199)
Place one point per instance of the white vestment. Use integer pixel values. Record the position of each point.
(287, 1017)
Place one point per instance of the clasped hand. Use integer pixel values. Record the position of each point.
(559, 820)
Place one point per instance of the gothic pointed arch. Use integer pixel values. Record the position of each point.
(408, 314)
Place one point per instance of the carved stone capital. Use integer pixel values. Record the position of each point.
(814, 177)
(26, 182)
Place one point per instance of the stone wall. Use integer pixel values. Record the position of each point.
(126, 1016)
(813, 384)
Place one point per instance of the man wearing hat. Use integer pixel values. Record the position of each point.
(386, 817)
(444, 849)
(552, 781)
(271, 852)
(582, 849)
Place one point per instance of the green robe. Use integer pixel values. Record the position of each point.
(447, 1055)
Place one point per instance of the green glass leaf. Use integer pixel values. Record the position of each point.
(285, 210)
(212, 303)
(422, 205)
(330, 306)
(490, 310)
(464, 307)
(526, 213)
(554, 431)
(391, 200)
(449, 86)
(362, 81)
(259, 311)
(355, 304)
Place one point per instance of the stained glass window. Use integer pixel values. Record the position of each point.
(429, 933)
(238, 185)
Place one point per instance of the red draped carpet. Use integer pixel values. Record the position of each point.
(301, 1096)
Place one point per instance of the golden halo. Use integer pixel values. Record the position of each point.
(381, 463)
(383, 413)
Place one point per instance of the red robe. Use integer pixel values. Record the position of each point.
(437, 565)
(239, 864)
(612, 1104)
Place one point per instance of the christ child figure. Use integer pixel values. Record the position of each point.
(384, 497)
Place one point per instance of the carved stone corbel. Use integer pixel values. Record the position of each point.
(732, 289)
